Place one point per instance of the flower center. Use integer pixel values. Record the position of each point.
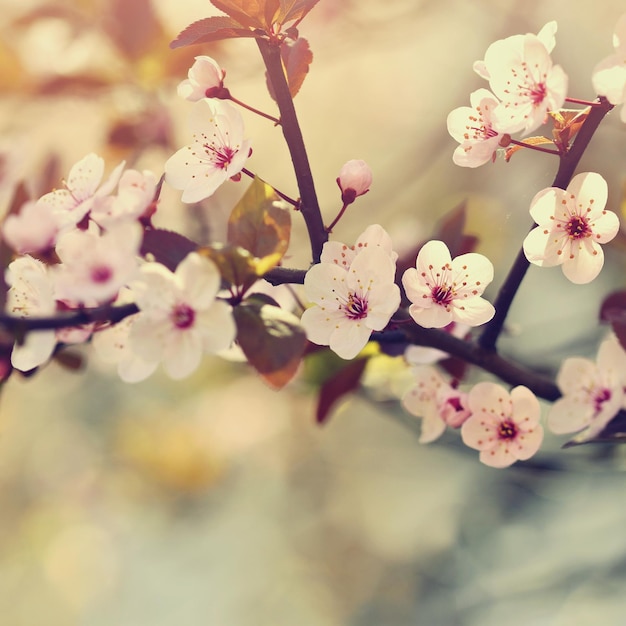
(601, 396)
(220, 156)
(578, 227)
(356, 307)
(507, 430)
(101, 274)
(537, 93)
(183, 316)
(442, 294)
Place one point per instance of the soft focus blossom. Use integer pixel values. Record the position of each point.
(521, 74)
(180, 318)
(355, 179)
(33, 229)
(31, 294)
(205, 78)
(472, 127)
(571, 225)
(436, 402)
(218, 151)
(592, 392)
(504, 427)
(609, 76)
(94, 266)
(134, 198)
(443, 290)
(83, 191)
(343, 255)
(350, 303)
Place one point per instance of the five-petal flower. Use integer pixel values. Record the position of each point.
(571, 224)
(218, 151)
(504, 427)
(443, 290)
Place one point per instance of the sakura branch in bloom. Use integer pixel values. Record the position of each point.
(571, 225)
(146, 297)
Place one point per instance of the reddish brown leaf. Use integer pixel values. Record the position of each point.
(295, 9)
(613, 310)
(531, 141)
(210, 29)
(337, 386)
(296, 58)
(271, 338)
(248, 13)
(133, 26)
(167, 247)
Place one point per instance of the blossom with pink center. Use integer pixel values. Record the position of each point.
(355, 179)
(436, 402)
(31, 294)
(33, 229)
(94, 266)
(218, 151)
(350, 303)
(205, 80)
(504, 427)
(571, 225)
(343, 255)
(83, 191)
(521, 74)
(609, 76)
(592, 392)
(180, 318)
(442, 290)
(472, 127)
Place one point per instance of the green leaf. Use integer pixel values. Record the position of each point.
(210, 29)
(236, 265)
(260, 225)
(271, 338)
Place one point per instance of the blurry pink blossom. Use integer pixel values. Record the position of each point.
(33, 229)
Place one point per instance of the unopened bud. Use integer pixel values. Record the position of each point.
(355, 178)
(205, 77)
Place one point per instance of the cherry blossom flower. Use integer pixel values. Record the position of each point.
(94, 266)
(350, 303)
(82, 192)
(436, 402)
(472, 127)
(443, 290)
(33, 229)
(592, 392)
(111, 344)
(180, 318)
(31, 294)
(205, 80)
(343, 255)
(218, 151)
(571, 225)
(355, 179)
(135, 195)
(504, 427)
(521, 74)
(609, 76)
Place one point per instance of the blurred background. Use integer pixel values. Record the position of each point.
(216, 501)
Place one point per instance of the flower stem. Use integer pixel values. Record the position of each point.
(567, 166)
(523, 144)
(329, 229)
(586, 103)
(270, 51)
(250, 108)
(284, 196)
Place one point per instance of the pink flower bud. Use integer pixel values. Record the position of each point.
(355, 178)
(205, 80)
